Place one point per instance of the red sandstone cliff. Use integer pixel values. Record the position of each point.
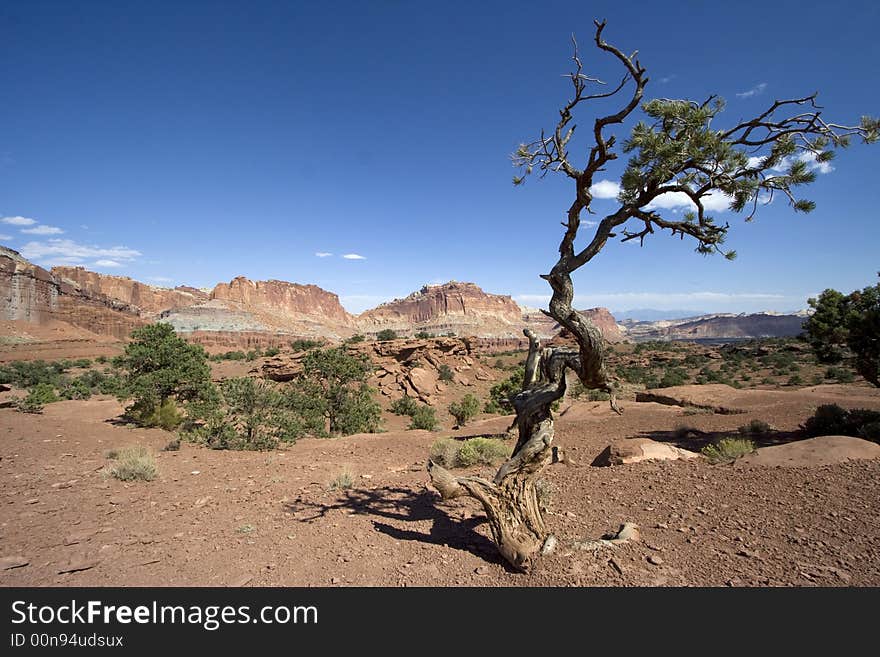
(32, 294)
(148, 299)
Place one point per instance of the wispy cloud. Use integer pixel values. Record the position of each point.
(42, 230)
(757, 90)
(5, 237)
(353, 256)
(605, 189)
(18, 221)
(159, 279)
(666, 79)
(323, 254)
(107, 263)
(68, 252)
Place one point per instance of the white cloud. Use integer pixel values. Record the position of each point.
(785, 163)
(106, 263)
(42, 230)
(605, 189)
(712, 202)
(18, 221)
(5, 237)
(68, 252)
(160, 279)
(323, 254)
(757, 90)
(353, 256)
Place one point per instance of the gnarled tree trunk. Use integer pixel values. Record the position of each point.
(510, 499)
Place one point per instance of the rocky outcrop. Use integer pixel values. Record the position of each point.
(32, 294)
(813, 452)
(718, 327)
(148, 299)
(403, 367)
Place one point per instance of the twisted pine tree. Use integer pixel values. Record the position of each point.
(674, 149)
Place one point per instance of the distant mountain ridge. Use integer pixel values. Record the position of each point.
(259, 313)
(718, 326)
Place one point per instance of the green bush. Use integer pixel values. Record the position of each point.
(158, 366)
(337, 381)
(272, 351)
(423, 417)
(463, 454)
(755, 428)
(42, 394)
(727, 450)
(343, 481)
(465, 410)
(424, 335)
(256, 416)
(840, 374)
(386, 334)
(832, 420)
(674, 376)
(795, 380)
(355, 339)
(133, 463)
(406, 405)
(445, 373)
(502, 393)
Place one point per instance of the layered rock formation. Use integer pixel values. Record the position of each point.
(718, 327)
(149, 300)
(248, 314)
(35, 295)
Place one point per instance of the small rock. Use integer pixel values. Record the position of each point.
(78, 563)
(195, 472)
(335, 580)
(481, 570)
(241, 581)
(654, 559)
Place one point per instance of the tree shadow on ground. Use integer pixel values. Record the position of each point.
(404, 505)
(695, 440)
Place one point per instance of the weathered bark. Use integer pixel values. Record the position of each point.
(510, 499)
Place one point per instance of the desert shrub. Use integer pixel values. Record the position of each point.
(133, 463)
(343, 481)
(795, 380)
(386, 334)
(101, 359)
(406, 405)
(165, 416)
(755, 428)
(632, 373)
(29, 405)
(228, 355)
(840, 374)
(75, 389)
(304, 344)
(252, 355)
(255, 416)
(424, 335)
(727, 450)
(465, 410)
(41, 394)
(445, 372)
(355, 339)
(334, 381)
(82, 363)
(272, 351)
(674, 376)
(462, 454)
(832, 420)
(502, 393)
(423, 417)
(158, 366)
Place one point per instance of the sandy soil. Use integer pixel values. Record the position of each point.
(245, 518)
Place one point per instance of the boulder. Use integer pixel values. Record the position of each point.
(635, 450)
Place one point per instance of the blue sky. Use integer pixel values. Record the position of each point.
(188, 143)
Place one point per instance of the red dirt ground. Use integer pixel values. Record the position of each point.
(221, 518)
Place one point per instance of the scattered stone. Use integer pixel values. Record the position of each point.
(813, 452)
(243, 580)
(655, 560)
(78, 563)
(481, 570)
